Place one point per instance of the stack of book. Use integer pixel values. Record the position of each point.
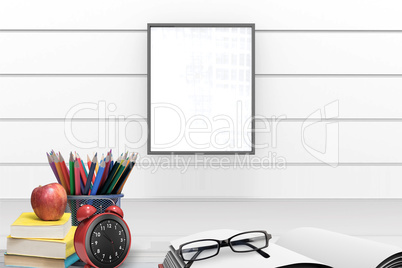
(172, 260)
(36, 243)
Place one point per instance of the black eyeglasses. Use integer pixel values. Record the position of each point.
(241, 243)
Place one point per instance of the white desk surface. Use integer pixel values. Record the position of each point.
(124, 265)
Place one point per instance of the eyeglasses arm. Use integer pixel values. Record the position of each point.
(245, 242)
(190, 262)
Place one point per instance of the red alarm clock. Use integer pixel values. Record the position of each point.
(102, 240)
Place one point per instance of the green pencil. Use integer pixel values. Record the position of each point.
(117, 177)
(110, 176)
(72, 180)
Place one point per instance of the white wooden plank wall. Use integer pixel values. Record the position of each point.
(87, 61)
(339, 61)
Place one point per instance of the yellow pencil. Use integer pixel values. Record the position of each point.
(97, 165)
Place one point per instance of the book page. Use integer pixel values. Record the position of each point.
(279, 256)
(337, 250)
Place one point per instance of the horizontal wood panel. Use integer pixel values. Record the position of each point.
(231, 182)
(73, 53)
(328, 53)
(104, 97)
(278, 142)
(125, 53)
(73, 97)
(357, 97)
(271, 14)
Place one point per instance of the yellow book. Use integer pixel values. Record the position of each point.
(28, 261)
(38, 247)
(28, 225)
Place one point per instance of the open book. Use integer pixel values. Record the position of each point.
(299, 248)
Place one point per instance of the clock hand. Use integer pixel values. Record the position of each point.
(107, 237)
(114, 251)
(111, 241)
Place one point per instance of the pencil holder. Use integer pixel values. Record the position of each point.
(100, 202)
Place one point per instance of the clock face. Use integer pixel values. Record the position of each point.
(108, 241)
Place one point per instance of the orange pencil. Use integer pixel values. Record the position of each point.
(59, 171)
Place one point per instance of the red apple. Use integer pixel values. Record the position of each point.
(49, 202)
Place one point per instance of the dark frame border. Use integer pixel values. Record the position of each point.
(252, 26)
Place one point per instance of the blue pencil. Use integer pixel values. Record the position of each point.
(98, 178)
(111, 165)
(90, 175)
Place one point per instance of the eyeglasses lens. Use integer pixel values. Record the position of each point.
(249, 242)
(199, 250)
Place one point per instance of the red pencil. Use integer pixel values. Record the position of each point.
(83, 175)
(77, 178)
(66, 174)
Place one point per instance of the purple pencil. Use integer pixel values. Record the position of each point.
(53, 166)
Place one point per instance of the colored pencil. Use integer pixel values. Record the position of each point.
(106, 172)
(89, 162)
(66, 174)
(72, 181)
(77, 178)
(90, 175)
(133, 162)
(117, 176)
(111, 164)
(119, 187)
(97, 165)
(124, 158)
(53, 166)
(82, 171)
(104, 177)
(84, 168)
(59, 171)
(111, 176)
(98, 178)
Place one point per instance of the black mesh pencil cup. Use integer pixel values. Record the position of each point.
(100, 202)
